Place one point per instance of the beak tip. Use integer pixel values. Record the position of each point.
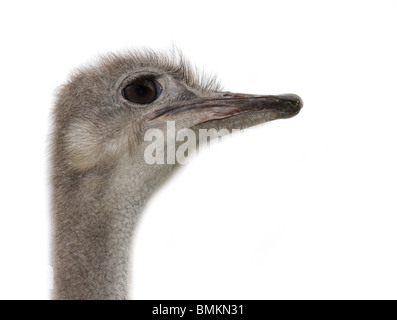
(298, 102)
(295, 104)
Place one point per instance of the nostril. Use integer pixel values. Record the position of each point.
(233, 95)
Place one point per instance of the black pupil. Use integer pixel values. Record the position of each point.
(142, 91)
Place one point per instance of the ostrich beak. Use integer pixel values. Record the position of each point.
(224, 105)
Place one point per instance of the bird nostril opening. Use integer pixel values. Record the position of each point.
(233, 95)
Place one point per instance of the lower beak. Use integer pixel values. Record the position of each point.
(226, 105)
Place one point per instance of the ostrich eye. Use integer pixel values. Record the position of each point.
(142, 91)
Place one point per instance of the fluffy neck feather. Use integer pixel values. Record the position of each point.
(94, 219)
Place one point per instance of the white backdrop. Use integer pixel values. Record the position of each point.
(298, 208)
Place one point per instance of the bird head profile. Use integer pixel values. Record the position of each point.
(104, 110)
(101, 179)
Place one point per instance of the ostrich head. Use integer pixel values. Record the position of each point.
(104, 111)
(100, 179)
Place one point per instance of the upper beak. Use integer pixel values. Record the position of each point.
(224, 105)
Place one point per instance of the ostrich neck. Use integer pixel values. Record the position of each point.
(94, 219)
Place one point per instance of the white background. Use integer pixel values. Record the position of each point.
(298, 208)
